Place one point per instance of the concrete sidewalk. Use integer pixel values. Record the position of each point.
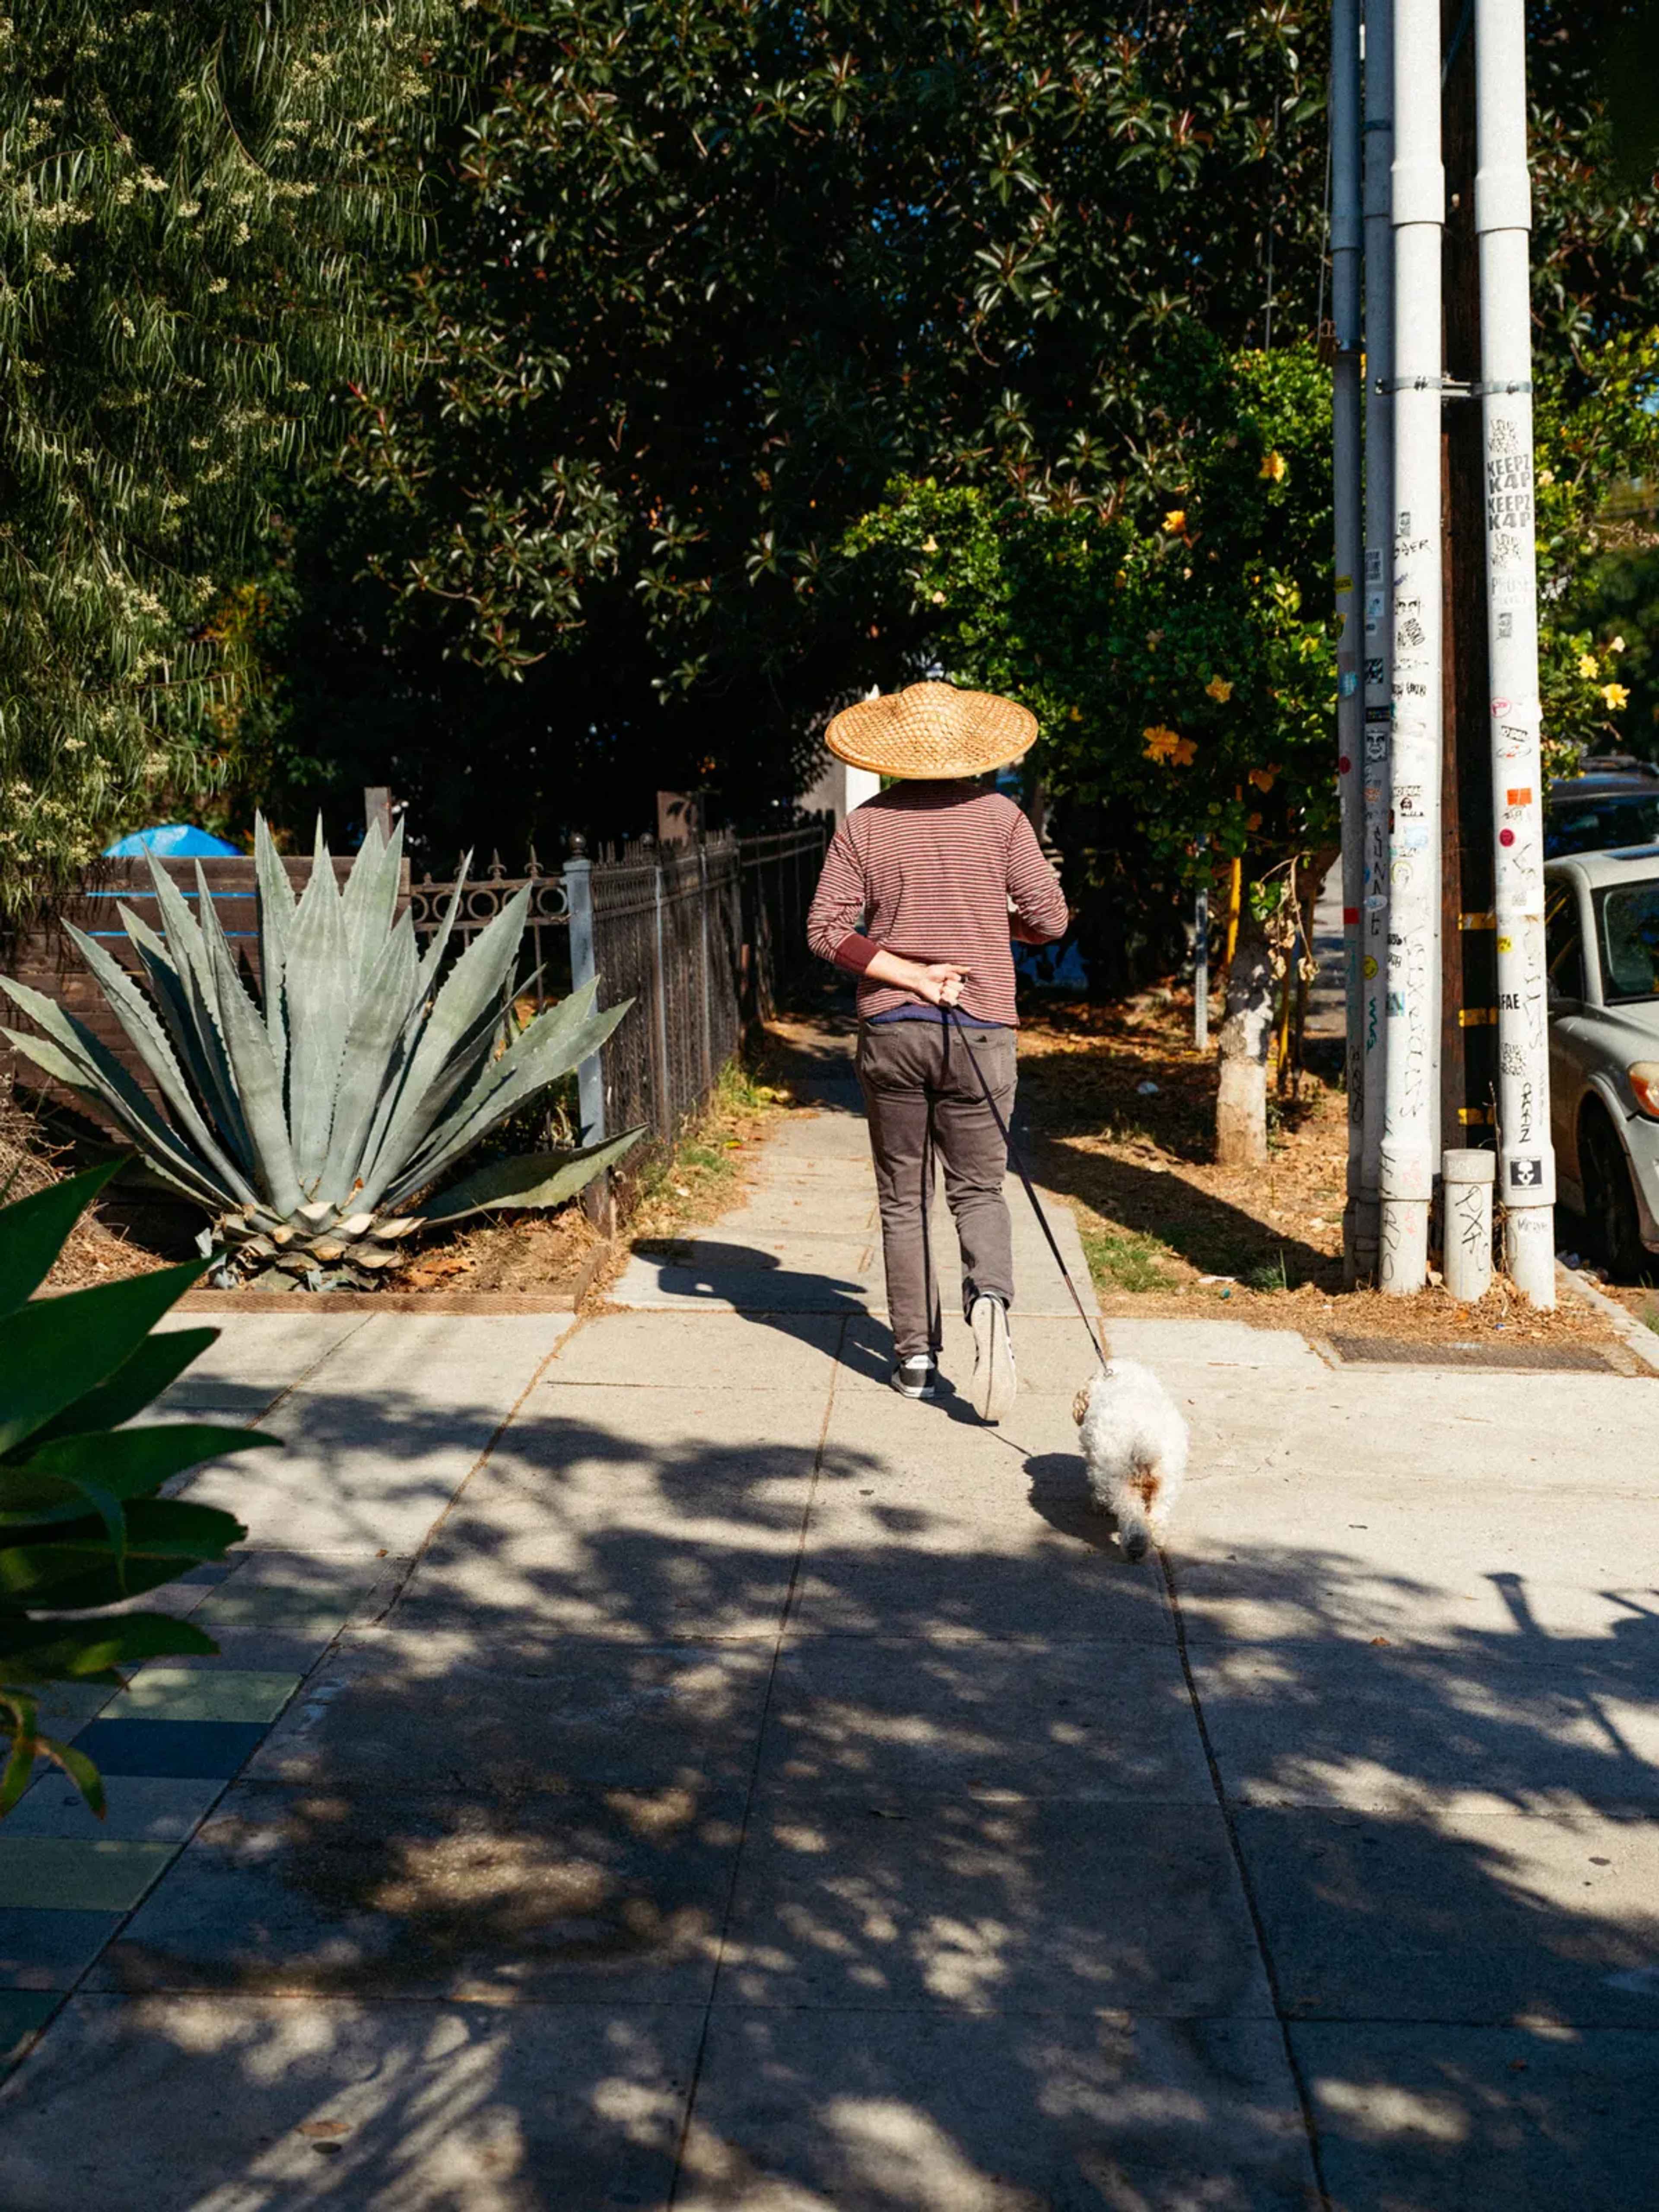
(708, 1779)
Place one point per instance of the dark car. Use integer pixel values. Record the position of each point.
(1612, 802)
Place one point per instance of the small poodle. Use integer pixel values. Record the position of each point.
(1134, 1451)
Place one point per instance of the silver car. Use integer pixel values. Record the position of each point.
(1601, 928)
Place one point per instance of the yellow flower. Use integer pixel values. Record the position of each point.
(930, 546)
(1252, 823)
(1615, 645)
(1588, 665)
(1176, 521)
(939, 598)
(1546, 476)
(1076, 714)
(1161, 742)
(1616, 696)
(1220, 688)
(1274, 467)
(1263, 778)
(1185, 753)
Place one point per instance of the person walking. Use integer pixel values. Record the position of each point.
(923, 888)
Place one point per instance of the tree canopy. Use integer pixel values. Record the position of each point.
(708, 279)
(189, 196)
(1182, 666)
(698, 284)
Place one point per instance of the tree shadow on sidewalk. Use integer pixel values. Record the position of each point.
(967, 1912)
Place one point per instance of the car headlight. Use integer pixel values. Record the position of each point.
(1644, 1080)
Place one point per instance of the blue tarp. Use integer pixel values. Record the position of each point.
(172, 841)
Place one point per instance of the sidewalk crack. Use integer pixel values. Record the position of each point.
(1310, 2124)
(754, 1775)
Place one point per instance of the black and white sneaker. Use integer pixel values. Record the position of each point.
(917, 1378)
(995, 1382)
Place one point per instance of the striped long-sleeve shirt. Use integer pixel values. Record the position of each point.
(936, 872)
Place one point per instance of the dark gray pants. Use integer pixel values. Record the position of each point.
(923, 1099)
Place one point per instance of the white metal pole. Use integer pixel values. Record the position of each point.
(1405, 1164)
(1346, 243)
(1503, 220)
(1465, 1179)
(1378, 631)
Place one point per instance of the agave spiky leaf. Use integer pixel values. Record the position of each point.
(138, 1018)
(258, 1081)
(184, 952)
(200, 1049)
(319, 990)
(274, 904)
(455, 1038)
(368, 905)
(381, 1016)
(72, 1055)
(534, 1179)
(521, 1072)
(310, 1125)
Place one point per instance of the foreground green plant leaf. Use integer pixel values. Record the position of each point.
(82, 1528)
(36, 1228)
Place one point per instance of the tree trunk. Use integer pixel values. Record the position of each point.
(1241, 1106)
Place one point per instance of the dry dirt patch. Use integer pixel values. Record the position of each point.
(1122, 1113)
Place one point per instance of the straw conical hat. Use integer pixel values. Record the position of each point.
(931, 730)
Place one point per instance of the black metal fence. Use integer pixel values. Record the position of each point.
(780, 873)
(544, 955)
(701, 936)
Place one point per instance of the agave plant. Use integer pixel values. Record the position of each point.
(318, 1129)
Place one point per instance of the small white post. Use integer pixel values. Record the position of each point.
(1503, 220)
(1201, 969)
(1346, 503)
(1378, 622)
(1466, 1181)
(1405, 1165)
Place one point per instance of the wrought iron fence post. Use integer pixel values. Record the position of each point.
(707, 984)
(590, 1075)
(666, 1109)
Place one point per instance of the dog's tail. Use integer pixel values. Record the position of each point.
(1134, 1518)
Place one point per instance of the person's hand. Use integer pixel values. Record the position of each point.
(941, 982)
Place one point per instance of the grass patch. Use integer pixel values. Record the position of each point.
(678, 1189)
(1270, 1275)
(1121, 1260)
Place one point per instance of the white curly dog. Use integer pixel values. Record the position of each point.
(1134, 1451)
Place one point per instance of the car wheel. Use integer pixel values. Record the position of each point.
(1609, 1199)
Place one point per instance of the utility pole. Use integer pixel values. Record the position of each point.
(1468, 999)
(1378, 632)
(1451, 822)
(1503, 220)
(1411, 1080)
(1347, 238)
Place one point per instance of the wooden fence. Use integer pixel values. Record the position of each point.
(700, 934)
(46, 957)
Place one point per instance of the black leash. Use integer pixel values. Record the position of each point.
(1015, 1155)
